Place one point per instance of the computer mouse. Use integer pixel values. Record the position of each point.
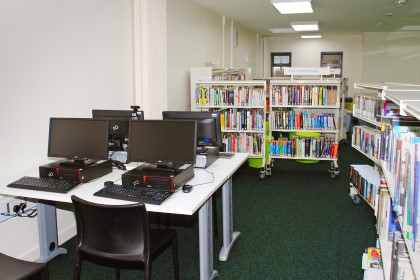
(108, 183)
(186, 188)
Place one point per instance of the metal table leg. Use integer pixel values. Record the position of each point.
(205, 224)
(47, 227)
(229, 237)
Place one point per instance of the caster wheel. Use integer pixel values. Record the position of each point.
(356, 200)
(261, 176)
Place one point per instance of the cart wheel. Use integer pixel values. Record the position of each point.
(356, 199)
(333, 175)
(343, 141)
(268, 170)
(261, 175)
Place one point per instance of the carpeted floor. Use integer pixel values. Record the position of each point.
(297, 224)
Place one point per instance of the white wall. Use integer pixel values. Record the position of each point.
(195, 37)
(307, 53)
(391, 57)
(57, 58)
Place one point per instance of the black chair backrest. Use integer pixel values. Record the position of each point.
(112, 229)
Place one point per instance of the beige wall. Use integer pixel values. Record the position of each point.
(307, 53)
(196, 36)
(391, 57)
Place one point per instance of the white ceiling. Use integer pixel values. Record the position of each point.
(335, 17)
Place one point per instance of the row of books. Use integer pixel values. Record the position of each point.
(311, 147)
(368, 107)
(402, 167)
(242, 119)
(229, 77)
(366, 180)
(372, 263)
(228, 96)
(374, 108)
(304, 95)
(243, 143)
(307, 120)
(367, 140)
(401, 266)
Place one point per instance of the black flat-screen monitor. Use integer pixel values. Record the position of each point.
(165, 143)
(83, 141)
(208, 125)
(118, 125)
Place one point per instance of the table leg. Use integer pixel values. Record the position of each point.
(229, 237)
(205, 224)
(47, 227)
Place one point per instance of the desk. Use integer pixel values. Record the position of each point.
(199, 199)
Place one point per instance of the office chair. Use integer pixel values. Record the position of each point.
(12, 268)
(119, 236)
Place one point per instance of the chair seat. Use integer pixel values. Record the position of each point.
(12, 268)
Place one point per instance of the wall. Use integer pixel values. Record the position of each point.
(307, 53)
(196, 36)
(57, 58)
(391, 57)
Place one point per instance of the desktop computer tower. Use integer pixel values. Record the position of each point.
(80, 174)
(158, 178)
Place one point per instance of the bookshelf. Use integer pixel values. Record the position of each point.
(304, 120)
(397, 164)
(215, 74)
(242, 105)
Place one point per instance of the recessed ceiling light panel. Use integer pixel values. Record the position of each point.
(310, 36)
(293, 6)
(305, 25)
(281, 30)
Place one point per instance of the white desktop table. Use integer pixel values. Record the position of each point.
(200, 198)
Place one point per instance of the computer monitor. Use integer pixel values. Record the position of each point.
(166, 143)
(82, 141)
(118, 125)
(208, 125)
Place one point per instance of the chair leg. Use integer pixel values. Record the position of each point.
(78, 267)
(117, 274)
(148, 271)
(175, 257)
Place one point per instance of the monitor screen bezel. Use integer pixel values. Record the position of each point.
(164, 161)
(199, 115)
(80, 156)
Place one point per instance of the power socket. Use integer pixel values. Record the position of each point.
(9, 206)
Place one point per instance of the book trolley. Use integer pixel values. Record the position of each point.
(304, 119)
(392, 142)
(242, 105)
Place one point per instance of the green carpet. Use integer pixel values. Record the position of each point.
(297, 224)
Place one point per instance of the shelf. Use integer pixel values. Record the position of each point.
(233, 83)
(375, 123)
(326, 131)
(386, 251)
(413, 108)
(369, 156)
(307, 106)
(303, 158)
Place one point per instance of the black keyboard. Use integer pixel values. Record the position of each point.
(136, 194)
(44, 184)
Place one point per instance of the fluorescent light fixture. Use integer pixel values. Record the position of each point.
(293, 6)
(310, 36)
(305, 25)
(410, 28)
(281, 30)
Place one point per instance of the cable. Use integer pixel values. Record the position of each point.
(212, 177)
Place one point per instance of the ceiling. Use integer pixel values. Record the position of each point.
(335, 17)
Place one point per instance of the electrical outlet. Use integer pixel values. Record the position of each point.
(8, 203)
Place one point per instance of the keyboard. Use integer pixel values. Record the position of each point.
(226, 155)
(136, 194)
(44, 184)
